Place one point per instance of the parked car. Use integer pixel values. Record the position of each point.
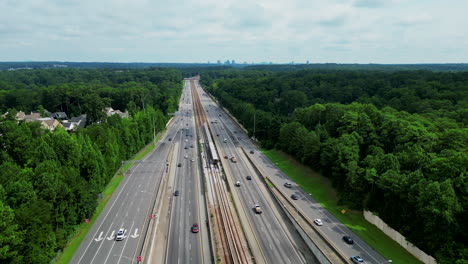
(318, 222)
(357, 259)
(120, 235)
(195, 228)
(348, 240)
(287, 185)
(294, 197)
(248, 178)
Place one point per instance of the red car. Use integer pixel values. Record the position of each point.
(195, 228)
(225, 157)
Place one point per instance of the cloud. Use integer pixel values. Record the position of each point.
(244, 30)
(370, 3)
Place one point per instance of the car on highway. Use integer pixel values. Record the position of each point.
(120, 235)
(294, 197)
(192, 160)
(233, 159)
(186, 139)
(357, 259)
(179, 165)
(252, 152)
(348, 240)
(248, 178)
(176, 193)
(318, 222)
(257, 209)
(238, 183)
(195, 228)
(226, 157)
(191, 146)
(170, 139)
(186, 147)
(186, 157)
(287, 185)
(225, 140)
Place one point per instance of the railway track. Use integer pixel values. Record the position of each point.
(230, 248)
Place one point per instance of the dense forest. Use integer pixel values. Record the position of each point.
(391, 142)
(50, 181)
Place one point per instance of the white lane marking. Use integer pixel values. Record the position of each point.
(111, 236)
(99, 238)
(136, 233)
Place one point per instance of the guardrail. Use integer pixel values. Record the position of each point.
(299, 211)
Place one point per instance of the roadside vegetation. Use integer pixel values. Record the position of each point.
(320, 188)
(83, 228)
(51, 181)
(391, 142)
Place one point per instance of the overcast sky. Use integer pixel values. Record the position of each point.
(341, 31)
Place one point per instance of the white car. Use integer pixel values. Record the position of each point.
(120, 235)
(318, 222)
(238, 183)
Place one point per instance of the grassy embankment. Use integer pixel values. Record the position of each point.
(322, 191)
(83, 228)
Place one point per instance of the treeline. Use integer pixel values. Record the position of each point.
(87, 91)
(410, 168)
(50, 181)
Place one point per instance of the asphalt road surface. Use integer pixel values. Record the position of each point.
(274, 239)
(184, 246)
(127, 208)
(332, 228)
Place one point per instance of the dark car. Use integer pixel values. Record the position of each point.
(195, 228)
(226, 157)
(252, 152)
(357, 259)
(348, 240)
(179, 165)
(294, 197)
(176, 193)
(186, 147)
(170, 139)
(248, 178)
(191, 146)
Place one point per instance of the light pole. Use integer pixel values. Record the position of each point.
(255, 113)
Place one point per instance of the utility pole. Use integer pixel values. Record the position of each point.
(255, 112)
(154, 131)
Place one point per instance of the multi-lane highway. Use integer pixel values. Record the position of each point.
(237, 138)
(278, 245)
(176, 161)
(128, 208)
(184, 246)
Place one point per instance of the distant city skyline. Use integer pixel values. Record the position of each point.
(280, 31)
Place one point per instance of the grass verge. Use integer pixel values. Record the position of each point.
(320, 188)
(83, 228)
